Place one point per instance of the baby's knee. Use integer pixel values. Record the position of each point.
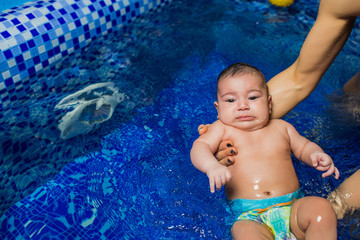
(322, 212)
(313, 216)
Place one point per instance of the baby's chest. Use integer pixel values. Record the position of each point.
(256, 143)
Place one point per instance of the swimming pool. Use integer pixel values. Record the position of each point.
(131, 178)
(10, 4)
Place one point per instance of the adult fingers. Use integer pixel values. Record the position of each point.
(225, 152)
(203, 128)
(225, 144)
(228, 161)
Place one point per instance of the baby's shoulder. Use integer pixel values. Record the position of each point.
(217, 126)
(217, 123)
(221, 127)
(279, 123)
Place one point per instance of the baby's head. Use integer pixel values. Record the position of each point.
(239, 69)
(242, 97)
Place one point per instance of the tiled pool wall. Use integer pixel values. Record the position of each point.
(37, 34)
(33, 37)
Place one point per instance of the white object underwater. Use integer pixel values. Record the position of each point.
(88, 108)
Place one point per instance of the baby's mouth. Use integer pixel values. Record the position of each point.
(245, 118)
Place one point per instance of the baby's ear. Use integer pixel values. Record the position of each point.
(217, 108)
(270, 103)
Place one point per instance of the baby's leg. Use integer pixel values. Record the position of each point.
(250, 230)
(313, 218)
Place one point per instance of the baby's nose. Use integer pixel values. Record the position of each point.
(242, 105)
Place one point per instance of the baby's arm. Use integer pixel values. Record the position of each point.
(311, 153)
(202, 156)
(320, 160)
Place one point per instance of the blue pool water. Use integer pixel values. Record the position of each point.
(7, 4)
(131, 178)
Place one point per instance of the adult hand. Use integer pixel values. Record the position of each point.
(225, 153)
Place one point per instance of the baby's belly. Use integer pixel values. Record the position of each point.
(262, 183)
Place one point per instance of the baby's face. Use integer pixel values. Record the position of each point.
(243, 102)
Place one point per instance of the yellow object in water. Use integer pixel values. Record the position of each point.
(281, 3)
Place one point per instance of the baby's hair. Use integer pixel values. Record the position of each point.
(241, 69)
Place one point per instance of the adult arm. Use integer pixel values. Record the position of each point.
(325, 40)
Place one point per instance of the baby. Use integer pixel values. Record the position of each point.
(262, 186)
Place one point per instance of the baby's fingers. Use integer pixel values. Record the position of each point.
(337, 173)
(219, 181)
(323, 168)
(314, 162)
(215, 183)
(330, 171)
(226, 178)
(212, 185)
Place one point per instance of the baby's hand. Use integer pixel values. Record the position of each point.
(218, 176)
(323, 162)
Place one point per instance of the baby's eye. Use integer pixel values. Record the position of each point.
(230, 100)
(253, 97)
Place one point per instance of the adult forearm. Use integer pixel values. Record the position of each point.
(323, 43)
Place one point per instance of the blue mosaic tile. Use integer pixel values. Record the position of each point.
(32, 38)
(30, 34)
